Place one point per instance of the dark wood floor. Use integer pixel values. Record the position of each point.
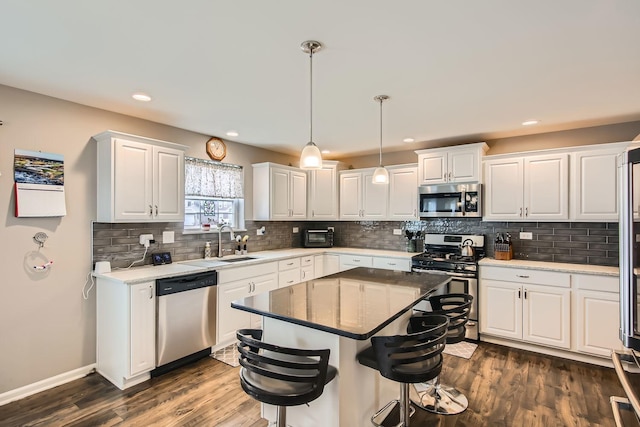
(505, 387)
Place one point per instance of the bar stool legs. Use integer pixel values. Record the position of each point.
(404, 407)
(439, 399)
(281, 416)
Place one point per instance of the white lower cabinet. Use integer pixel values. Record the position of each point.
(597, 320)
(126, 338)
(513, 305)
(238, 283)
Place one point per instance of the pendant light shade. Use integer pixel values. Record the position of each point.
(310, 158)
(380, 175)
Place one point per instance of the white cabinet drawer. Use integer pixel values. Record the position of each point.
(526, 276)
(596, 283)
(350, 261)
(288, 278)
(288, 264)
(306, 261)
(239, 273)
(392, 263)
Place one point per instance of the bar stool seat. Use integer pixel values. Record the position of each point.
(433, 396)
(412, 358)
(281, 376)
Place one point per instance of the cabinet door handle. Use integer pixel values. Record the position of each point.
(519, 295)
(526, 211)
(313, 212)
(156, 210)
(449, 176)
(150, 210)
(415, 212)
(520, 214)
(525, 294)
(150, 292)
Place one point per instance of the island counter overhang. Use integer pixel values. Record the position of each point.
(340, 313)
(347, 303)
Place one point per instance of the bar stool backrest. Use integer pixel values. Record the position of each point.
(415, 357)
(457, 308)
(280, 375)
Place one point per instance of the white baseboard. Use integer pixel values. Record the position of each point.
(45, 384)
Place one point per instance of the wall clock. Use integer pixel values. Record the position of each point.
(216, 148)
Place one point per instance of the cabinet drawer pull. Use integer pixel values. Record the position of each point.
(522, 276)
(290, 281)
(391, 263)
(356, 260)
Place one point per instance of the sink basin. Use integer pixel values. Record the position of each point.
(244, 258)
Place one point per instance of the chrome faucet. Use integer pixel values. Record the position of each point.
(221, 228)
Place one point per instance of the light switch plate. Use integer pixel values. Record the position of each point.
(397, 232)
(526, 235)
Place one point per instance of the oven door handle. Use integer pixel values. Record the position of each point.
(446, 273)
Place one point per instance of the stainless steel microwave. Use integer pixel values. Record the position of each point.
(317, 239)
(462, 200)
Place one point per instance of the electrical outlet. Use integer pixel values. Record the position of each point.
(397, 232)
(295, 229)
(145, 238)
(331, 228)
(260, 231)
(526, 235)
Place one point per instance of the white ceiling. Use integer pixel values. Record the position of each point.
(455, 70)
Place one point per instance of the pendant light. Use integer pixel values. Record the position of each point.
(310, 158)
(380, 175)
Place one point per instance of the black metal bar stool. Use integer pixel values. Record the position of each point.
(412, 358)
(281, 376)
(433, 396)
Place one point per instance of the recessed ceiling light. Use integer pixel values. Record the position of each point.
(232, 133)
(408, 140)
(530, 122)
(325, 151)
(139, 96)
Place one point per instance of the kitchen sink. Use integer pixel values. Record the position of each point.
(244, 258)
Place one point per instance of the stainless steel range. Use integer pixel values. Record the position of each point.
(455, 255)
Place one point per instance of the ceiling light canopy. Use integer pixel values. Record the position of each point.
(139, 96)
(380, 175)
(310, 158)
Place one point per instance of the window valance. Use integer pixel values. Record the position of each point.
(206, 178)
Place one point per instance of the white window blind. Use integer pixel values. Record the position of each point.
(206, 178)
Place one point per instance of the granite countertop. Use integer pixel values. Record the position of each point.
(552, 266)
(355, 303)
(149, 272)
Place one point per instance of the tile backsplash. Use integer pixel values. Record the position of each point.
(571, 242)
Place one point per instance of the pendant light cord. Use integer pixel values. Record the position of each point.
(381, 99)
(311, 95)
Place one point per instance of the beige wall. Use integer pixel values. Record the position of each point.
(46, 327)
(585, 136)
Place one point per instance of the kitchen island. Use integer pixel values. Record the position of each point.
(341, 312)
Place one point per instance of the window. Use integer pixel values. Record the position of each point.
(214, 193)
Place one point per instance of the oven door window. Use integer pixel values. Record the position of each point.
(441, 203)
(317, 237)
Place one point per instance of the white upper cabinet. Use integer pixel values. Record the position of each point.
(279, 192)
(323, 192)
(360, 198)
(527, 188)
(594, 185)
(403, 193)
(460, 163)
(139, 179)
(595, 189)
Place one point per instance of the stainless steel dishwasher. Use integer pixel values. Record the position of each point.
(186, 319)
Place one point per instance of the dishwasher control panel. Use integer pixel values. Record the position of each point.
(188, 282)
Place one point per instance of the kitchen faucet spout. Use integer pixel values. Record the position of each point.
(221, 228)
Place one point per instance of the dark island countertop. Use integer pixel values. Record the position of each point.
(355, 303)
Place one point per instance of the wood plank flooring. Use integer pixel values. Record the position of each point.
(505, 387)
